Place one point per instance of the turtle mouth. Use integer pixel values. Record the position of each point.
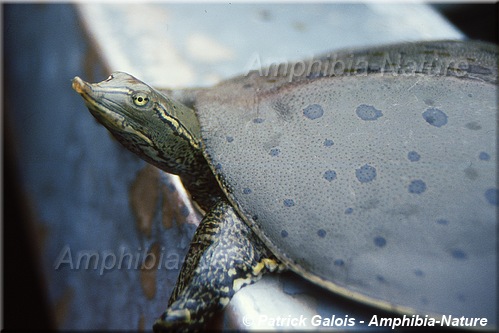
(102, 108)
(95, 101)
(80, 86)
(90, 95)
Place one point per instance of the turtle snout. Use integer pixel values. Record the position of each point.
(80, 86)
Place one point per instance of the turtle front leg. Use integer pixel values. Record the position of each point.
(225, 255)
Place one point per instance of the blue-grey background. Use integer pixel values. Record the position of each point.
(67, 187)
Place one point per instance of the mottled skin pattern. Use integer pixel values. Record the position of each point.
(226, 253)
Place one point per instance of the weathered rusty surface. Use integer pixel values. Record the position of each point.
(144, 195)
(148, 271)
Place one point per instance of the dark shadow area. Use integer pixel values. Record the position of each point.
(25, 306)
(476, 21)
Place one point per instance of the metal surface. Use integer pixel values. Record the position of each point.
(185, 45)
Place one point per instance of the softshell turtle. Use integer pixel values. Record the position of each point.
(372, 174)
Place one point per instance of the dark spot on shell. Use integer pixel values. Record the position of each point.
(418, 272)
(349, 210)
(435, 117)
(229, 138)
(339, 262)
(218, 167)
(275, 152)
(246, 190)
(284, 233)
(484, 156)
(368, 112)
(429, 101)
(365, 173)
(471, 173)
(379, 241)
(413, 156)
(255, 217)
(380, 278)
(321, 233)
(247, 85)
(491, 195)
(289, 202)
(443, 221)
(330, 175)
(328, 143)
(258, 120)
(474, 126)
(417, 186)
(313, 111)
(458, 254)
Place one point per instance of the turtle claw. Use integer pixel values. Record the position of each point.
(173, 321)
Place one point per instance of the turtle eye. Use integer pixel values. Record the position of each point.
(109, 78)
(140, 99)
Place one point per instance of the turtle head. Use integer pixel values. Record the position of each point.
(161, 131)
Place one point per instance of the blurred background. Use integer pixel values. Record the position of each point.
(68, 185)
